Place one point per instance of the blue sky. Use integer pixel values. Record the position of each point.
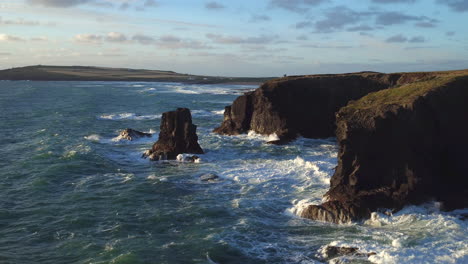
(237, 38)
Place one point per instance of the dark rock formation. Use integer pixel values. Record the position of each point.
(188, 158)
(330, 252)
(339, 212)
(238, 116)
(303, 105)
(400, 146)
(131, 134)
(209, 177)
(177, 135)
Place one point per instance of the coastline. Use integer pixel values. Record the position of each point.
(258, 197)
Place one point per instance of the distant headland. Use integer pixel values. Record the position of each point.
(89, 73)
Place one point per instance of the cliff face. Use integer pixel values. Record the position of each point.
(402, 136)
(237, 117)
(303, 105)
(400, 146)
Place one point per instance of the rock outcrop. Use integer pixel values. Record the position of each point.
(188, 158)
(177, 135)
(331, 252)
(209, 177)
(401, 146)
(304, 105)
(131, 134)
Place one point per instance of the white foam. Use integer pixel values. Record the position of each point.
(124, 177)
(210, 261)
(93, 137)
(119, 140)
(184, 89)
(216, 89)
(299, 206)
(128, 116)
(152, 177)
(146, 90)
(254, 135)
(218, 112)
(206, 113)
(416, 234)
(71, 151)
(188, 158)
(201, 113)
(69, 154)
(297, 171)
(272, 137)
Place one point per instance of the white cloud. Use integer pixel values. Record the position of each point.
(143, 39)
(6, 37)
(221, 39)
(87, 38)
(116, 37)
(59, 3)
(214, 6)
(41, 38)
(19, 21)
(174, 42)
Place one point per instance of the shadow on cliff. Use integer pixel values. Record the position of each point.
(401, 136)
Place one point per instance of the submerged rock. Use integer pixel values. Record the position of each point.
(131, 134)
(336, 212)
(401, 146)
(188, 158)
(333, 252)
(177, 135)
(209, 177)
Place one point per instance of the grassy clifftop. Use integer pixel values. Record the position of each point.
(407, 93)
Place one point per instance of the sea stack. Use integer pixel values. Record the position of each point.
(401, 146)
(177, 135)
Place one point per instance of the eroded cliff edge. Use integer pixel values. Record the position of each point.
(304, 105)
(402, 136)
(401, 146)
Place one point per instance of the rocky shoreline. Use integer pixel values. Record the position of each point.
(401, 136)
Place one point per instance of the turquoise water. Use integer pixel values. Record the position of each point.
(71, 193)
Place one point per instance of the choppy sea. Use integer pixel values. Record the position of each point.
(70, 192)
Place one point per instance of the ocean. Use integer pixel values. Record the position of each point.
(70, 192)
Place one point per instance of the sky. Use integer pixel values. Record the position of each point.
(237, 38)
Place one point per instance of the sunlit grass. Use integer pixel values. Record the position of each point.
(406, 93)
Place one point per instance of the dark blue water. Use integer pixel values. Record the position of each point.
(71, 193)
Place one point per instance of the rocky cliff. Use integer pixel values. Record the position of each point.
(304, 105)
(401, 146)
